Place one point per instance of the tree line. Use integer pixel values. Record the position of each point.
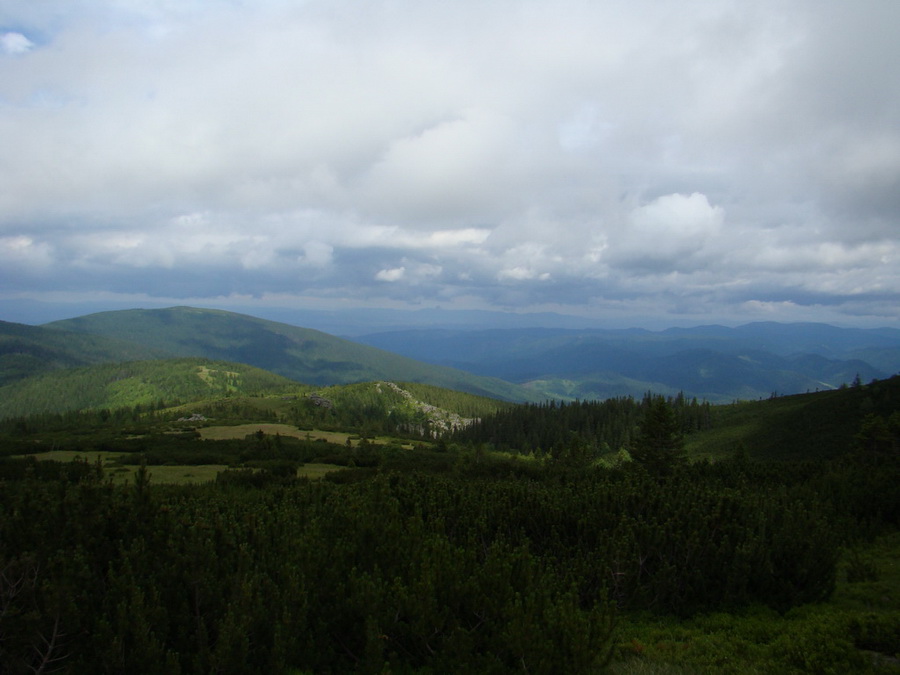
(601, 426)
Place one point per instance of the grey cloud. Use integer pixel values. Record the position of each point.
(725, 157)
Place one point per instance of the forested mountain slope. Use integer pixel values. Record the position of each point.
(301, 354)
(711, 362)
(135, 383)
(805, 427)
(26, 351)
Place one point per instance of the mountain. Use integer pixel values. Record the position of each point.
(809, 427)
(344, 322)
(135, 383)
(26, 351)
(301, 354)
(716, 363)
(712, 362)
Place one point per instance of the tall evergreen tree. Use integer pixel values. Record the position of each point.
(659, 444)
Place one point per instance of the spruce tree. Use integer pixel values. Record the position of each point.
(659, 445)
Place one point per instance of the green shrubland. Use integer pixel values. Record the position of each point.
(599, 539)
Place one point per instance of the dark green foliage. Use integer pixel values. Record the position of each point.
(876, 632)
(601, 426)
(860, 568)
(318, 577)
(822, 425)
(820, 646)
(482, 567)
(659, 444)
(447, 560)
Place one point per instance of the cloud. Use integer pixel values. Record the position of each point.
(520, 273)
(23, 254)
(317, 253)
(705, 158)
(669, 233)
(394, 274)
(15, 44)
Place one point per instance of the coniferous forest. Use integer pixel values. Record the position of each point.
(555, 538)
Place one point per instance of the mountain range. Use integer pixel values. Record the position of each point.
(715, 363)
(299, 354)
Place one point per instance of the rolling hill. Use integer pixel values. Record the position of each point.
(135, 383)
(300, 354)
(810, 427)
(26, 351)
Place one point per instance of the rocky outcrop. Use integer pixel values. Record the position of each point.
(321, 401)
(441, 421)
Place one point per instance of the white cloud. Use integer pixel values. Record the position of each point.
(15, 43)
(444, 172)
(678, 216)
(390, 275)
(668, 233)
(521, 273)
(439, 239)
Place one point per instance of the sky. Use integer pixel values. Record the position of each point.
(634, 162)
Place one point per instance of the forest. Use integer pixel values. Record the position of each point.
(578, 538)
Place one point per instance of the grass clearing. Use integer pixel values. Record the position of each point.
(317, 470)
(239, 431)
(222, 433)
(170, 475)
(72, 455)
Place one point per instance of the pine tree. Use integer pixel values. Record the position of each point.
(659, 445)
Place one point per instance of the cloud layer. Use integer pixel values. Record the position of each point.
(711, 160)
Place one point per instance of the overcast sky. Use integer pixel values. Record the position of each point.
(680, 162)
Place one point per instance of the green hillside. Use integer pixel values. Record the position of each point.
(135, 383)
(817, 426)
(805, 426)
(300, 354)
(170, 543)
(26, 351)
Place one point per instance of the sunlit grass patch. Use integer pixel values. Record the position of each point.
(171, 475)
(317, 470)
(221, 433)
(239, 431)
(72, 455)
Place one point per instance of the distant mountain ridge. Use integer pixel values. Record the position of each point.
(715, 363)
(712, 362)
(301, 354)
